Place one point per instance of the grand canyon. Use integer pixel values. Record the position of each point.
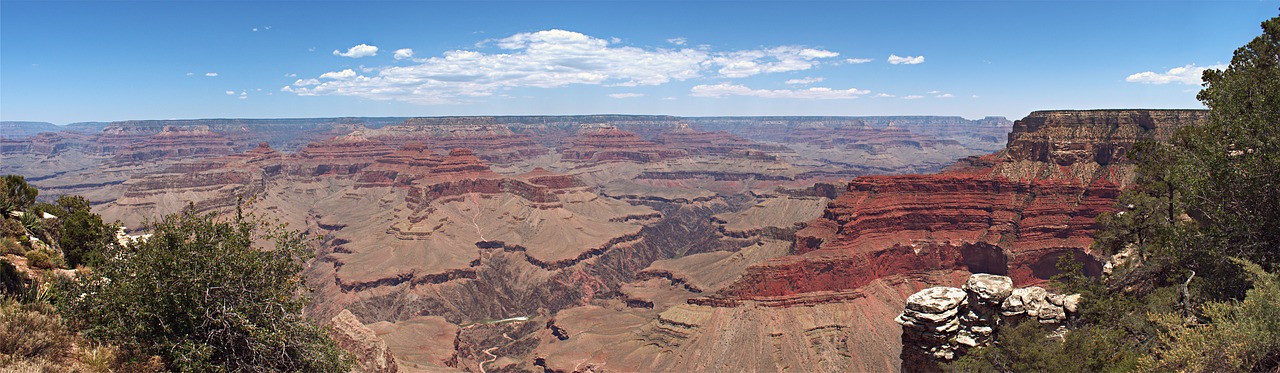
(624, 243)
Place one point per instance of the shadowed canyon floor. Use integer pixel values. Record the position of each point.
(625, 243)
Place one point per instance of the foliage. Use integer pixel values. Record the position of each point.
(12, 282)
(11, 229)
(44, 259)
(15, 194)
(10, 245)
(32, 331)
(202, 297)
(1227, 170)
(82, 235)
(1241, 336)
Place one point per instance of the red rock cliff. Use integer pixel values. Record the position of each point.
(1014, 212)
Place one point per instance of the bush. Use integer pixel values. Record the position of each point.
(1241, 336)
(200, 296)
(12, 282)
(32, 332)
(43, 259)
(10, 245)
(11, 228)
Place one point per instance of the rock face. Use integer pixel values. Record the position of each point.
(612, 144)
(177, 142)
(491, 142)
(343, 155)
(371, 352)
(940, 324)
(1011, 213)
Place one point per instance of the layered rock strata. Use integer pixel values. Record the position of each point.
(1011, 213)
(608, 144)
(370, 352)
(940, 324)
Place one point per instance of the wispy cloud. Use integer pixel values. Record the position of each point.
(551, 59)
(857, 60)
(741, 64)
(908, 60)
(362, 50)
(403, 53)
(344, 74)
(805, 80)
(884, 95)
(913, 97)
(210, 74)
(1189, 74)
(729, 89)
(678, 41)
(945, 95)
(229, 93)
(626, 95)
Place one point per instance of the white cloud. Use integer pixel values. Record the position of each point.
(231, 93)
(741, 64)
(1189, 74)
(210, 74)
(291, 75)
(362, 50)
(344, 74)
(403, 53)
(884, 95)
(945, 95)
(678, 41)
(243, 95)
(934, 92)
(913, 97)
(909, 60)
(805, 80)
(625, 95)
(552, 59)
(669, 98)
(728, 89)
(190, 74)
(857, 60)
(255, 29)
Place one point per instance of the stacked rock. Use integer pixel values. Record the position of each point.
(931, 319)
(986, 296)
(940, 324)
(1038, 303)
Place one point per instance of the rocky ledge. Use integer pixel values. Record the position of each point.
(942, 323)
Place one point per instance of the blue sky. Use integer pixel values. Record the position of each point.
(64, 61)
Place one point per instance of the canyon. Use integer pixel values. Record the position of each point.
(625, 243)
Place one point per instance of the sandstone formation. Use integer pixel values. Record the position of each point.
(940, 324)
(694, 142)
(343, 155)
(1013, 213)
(608, 144)
(176, 143)
(370, 352)
(640, 244)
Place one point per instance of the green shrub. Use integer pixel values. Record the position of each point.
(43, 259)
(202, 297)
(32, 332)
(12, 282)
(11, 228)
(10, 245)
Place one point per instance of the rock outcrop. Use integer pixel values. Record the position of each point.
(940, 324)
(1011, 213)
(609, 144)
(370, 352)
(343, 156)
